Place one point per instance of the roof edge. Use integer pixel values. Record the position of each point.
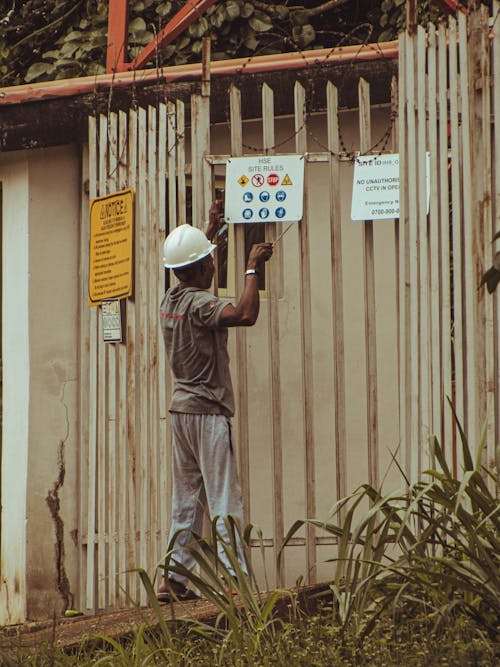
(178, 73)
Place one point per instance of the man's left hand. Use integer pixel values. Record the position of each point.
(214, 219)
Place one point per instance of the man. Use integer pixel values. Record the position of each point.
(194, 324)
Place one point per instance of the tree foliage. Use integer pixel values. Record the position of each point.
(53, 39)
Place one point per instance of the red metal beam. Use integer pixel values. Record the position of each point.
(451, 6)
(117, 36)
(192, 10)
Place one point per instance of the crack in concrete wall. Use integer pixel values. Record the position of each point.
(54, 505)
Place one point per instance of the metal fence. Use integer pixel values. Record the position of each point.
(364, 331)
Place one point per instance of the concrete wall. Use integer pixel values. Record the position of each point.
(41, 191)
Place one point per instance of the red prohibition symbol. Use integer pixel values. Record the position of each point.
(257, 180)
(273, 179)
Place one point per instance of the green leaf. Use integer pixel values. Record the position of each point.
(164, 8)
(260, 22)
(308, 35)
(137, 25)
(50, 54)
(199, 28)
(182, 42)
(233, 10)
(384, 20)
(138, 6)
(281, 11)
(37, 70)
(386, 5)
(299, 17)
(142, 37)
(74, 35)
(169, 51)
(251, 42)
(68, 49)
(247, 10)
(96, 39)
(196, 46)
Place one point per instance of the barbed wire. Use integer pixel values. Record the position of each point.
(309, 72)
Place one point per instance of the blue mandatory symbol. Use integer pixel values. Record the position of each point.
(247, 197)
(264, 213)
(281, 195)
(247, 213)
(264, 196)
(280, 212)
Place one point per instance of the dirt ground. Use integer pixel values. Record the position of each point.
(68, 633)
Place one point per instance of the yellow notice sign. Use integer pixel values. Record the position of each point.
(111, 246)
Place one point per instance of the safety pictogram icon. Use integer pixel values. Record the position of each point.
(287, 180)
(257, 180)
(243, 180)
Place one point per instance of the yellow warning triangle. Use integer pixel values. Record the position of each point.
(286, 180)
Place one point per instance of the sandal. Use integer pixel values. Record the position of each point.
(174, 591)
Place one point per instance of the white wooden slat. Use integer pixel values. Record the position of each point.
(102, 404)
(273, 278)
(131, 395)
(180, 143)
(122, 442)
(445, 259)
(423, 244)
(241, 336)
(200, 146)
(206, 168)
(83, 397)
(487, 389)
(112, 394)
(172, 157)
(151, 327)
(337, 294)
(471, 340)
(176, 215)
(88, 368)
(403, 265)
(369, 293)
(456, 217)
(306, 337)
(163, 497)
(482, 381)
(496, 220)
(413, 459)
(434, 312)
(144, 527)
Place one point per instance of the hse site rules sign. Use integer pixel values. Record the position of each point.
(375, 191)
(264, 188)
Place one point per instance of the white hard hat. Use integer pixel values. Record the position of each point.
(185, 245)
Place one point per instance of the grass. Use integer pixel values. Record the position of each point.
(415, 581)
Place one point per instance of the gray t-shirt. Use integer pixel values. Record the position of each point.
(197, 349)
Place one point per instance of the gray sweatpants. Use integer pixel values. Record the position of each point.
(204, 473)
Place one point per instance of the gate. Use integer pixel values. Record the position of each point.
(364, 330)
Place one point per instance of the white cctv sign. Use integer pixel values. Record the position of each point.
(264, 188)
(375, 192)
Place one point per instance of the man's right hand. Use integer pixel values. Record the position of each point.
(259, 253)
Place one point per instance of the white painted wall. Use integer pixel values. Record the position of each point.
(16, 359)
(41, 191)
